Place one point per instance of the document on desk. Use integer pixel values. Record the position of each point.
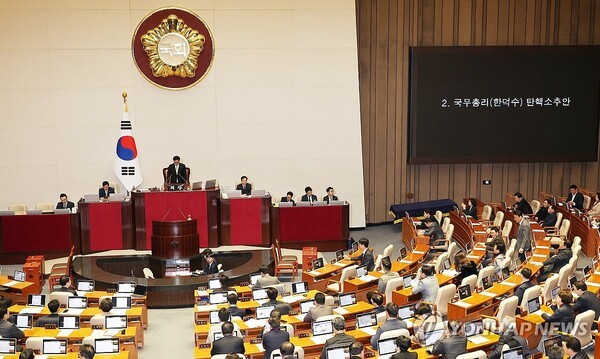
(542, 247)
(31, 310)
(206, 308)
(97, 333)
(292, 298)
(369, 330)
(340, 311)
(255, 323)
(488, 294)
(11, 283)
(462, 304)
(478, 339)
(260, 347)
(64, 333)
(406, 261)
(111, 332)
(450, 272)
(368, 278)
(536, 263)
(74, 311)
(339, 264)
(314, 272)
(418, 252)
(321, 339)
(203, 293)
(300, 317)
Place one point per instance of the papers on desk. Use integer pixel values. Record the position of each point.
(261, 301)
(206, 308)
(369, 330)
(11, 283)
(537, 230)
(409, 323)
(542, 247)
(480, 232)
(462, 304)
(111, 332)
(539, 312)
(510, 284)
(406, 261)
(74, 311)
(593, 284)
(119, 311)
(255, 323)
(473, 257)
(368, 278)
(339, 264)
(260, 347)
(314, 272)
(292, 298)
(203, 293)
(300, 317)
(450, 272)
(536, 263)
(341, 311)
(31, 310)
(488, 294)
(418, 252)
(64, 332)
(477, 339)
(321, 339)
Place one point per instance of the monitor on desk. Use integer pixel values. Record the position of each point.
(115, 322)
(403, 252)
(318, 263)
(264, 312)
(505, 273)
(19, 276)
(299, 287)
(386, 346)
(446, 264)
(91, 198)
(339, 255)
(140, 290)
(197, 185)
(347, 299)
(34, 212)
(8, 346)
(233, 193)
(7, 213)
(85, 285)
(432, 336)
(211, 184)
(464, 291)
(254, 278)
(366, 320)
(68, 322)
(354, 247)
(338, 352)
(515, 353)
(121, 302)
(77, 302)
(336, 203)
(286, 204)
(552, 341)
(487, 282)
(533, 305)
(214, 283)
(258, 193)
(407, 281)
(54, 346)
(474, 327)
(259, 294)
(555, 291)
(322, 327)
(572, 281)
(23, 321)
(106, 345)
(406, 312)
(217, 298)
(62, 211)
(306, 305)
(36, 300)
(361, 271)
(117, 197)
(126, 287)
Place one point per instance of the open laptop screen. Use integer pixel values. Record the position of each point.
(36, 300)
(515, 353)
(366, 320)
(403, 252)
(407, 281)
(68, 322)
(533, 305)
(19, 276)
(361, 271)
(254, 277)
(338, 353)
(259, 294)
(126, 287)
(550, 342)
(299, 287)
(318, 263)
(322, 328)
(121, 302)
(8, 346)
(474, 327)
(77, 302)
(464, 291)
(85, 285)
(23, 321)
(487, 282)
(406, 312)
(217, 298)
(54, 346)
(264, 312)
(115, 322)
(387, 346)
(433, 336)
(106, 345)
(347, 299)
(339, 255)
(214, 283)
(306, 305)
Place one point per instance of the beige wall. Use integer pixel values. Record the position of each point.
(280, 104)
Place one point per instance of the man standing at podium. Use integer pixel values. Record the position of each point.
(176, 173)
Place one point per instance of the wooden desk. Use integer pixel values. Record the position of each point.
(405, 296)
(246, 221)
(94, 299)
(106, 226)
(74, 338)
(317, 279)
(17, 291)
(589, 236)
(75, 355)
(527, 326)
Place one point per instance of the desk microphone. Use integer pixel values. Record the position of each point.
(167, 180)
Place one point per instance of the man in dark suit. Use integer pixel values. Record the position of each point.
(572, 348)
(53, 306)
(105, 191)
(541, 214)
(308, 197)
(274, 338)
(330, 195)
(245, 187)
(366, 257)
(403, 344)
(176, 172)
(64, 202)
(228, 343)
(586, 301)
(211, 264)
(287, 351)
(563, 315)
(319, 310)
(339, 339)
(525, 284)
(521, 204)
(551, 217)
(557, 261)
(86, 351)
(392, 323)
(8, 329)
(433, 231)
(232, 299)
(283, 307)
(575, 198)
(453, 343)
(288, 198)
(65, 285)
(427, 214)
(523, 234)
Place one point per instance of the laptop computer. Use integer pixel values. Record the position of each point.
(286, 204)
(258, 193)
(474, 331)
(34, 211)
(233, 193)
(121, 302)
(214, 283)
(347, 299)
(259, 294)
(323, 327)
(217, 298)
(514, 353)
(366, 320)
(106, 345)
(406, 312)
(54, 346)
(572, 281)
(386, 347)
(361, 271)
(446, 264)
(504, 274)
(336, 203)
(85, 285)
(431, 337)
(264, 312)
(36, 300)
(318, 263)
(254, 278)
(555, 291)
(306, 305)
(464, 291)
(91, 198)
(62, 211)
(533, 306)
(140, 290)
(299, 287)
(403, 253)
(8, 346)
(115, 322)
(211, 184)
(117, 197)
(338, 352)
(407, 281)
(319, 203)
(19, 276)
(7, 213)
(214, 317)
(77, 302)
(68, 322)
(487, 282)
(552, 341)
(339, 255)
(126, 287)
(23, 321)
(219, 335)
(197, 185)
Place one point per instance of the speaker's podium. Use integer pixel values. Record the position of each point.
(175, 244)
(169, 185)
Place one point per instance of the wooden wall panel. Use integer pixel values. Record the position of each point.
(387, 29)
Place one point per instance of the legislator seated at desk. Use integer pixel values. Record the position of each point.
(340, 338)
(427, 214)
(65, 285)
(366, 256)
(64, 202)
(427, 284)
(330, 195)
(470, 209)
(244, 186)
(452, 343)
(308, 196)
(289, 197)
(51, 318)
(105, 191)
(176, 175)
(575, 198)
(228, 343)
(265, 280)
(8, 329)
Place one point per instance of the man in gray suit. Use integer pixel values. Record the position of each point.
(366, 257)
(523, 234)
(426, 284)
(319, 310)
(386, 264)
(339, 339)
(8, 329)
(53, 306)
(392, 323)
(275, 337)
(265, 279)
(557, 261)
(283, 307)
(453, 343)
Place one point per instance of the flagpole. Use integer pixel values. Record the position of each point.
(125, 101)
